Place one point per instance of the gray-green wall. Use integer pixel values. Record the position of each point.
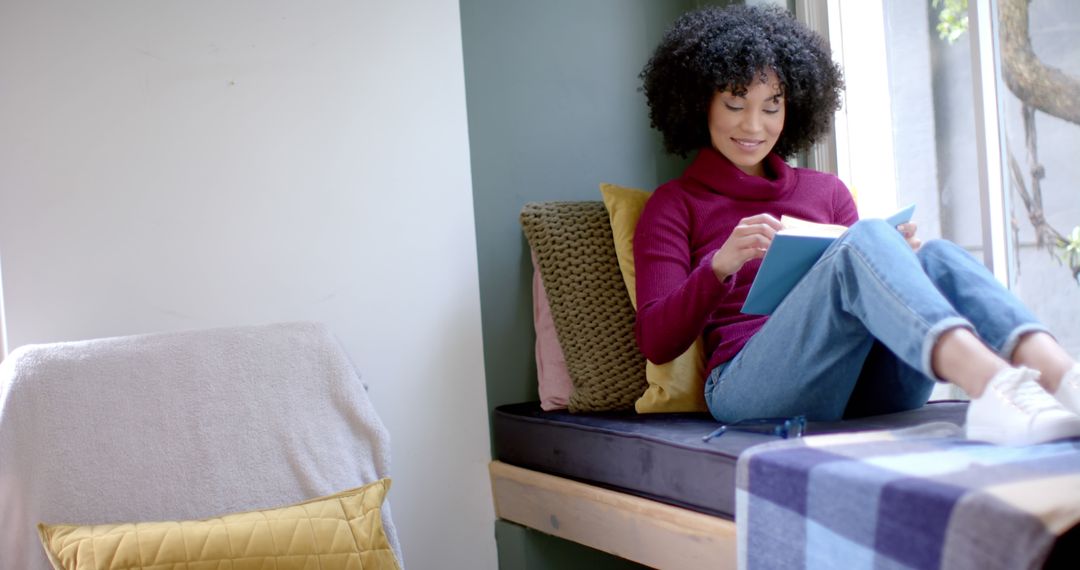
(554, 110)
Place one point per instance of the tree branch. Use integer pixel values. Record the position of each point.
(1047, 236)
(1046, 88)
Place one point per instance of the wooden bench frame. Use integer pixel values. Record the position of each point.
(645, 531)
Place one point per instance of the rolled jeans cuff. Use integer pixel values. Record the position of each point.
(1014, 338)
(932, 336)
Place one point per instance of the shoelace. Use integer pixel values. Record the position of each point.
(1027, 395)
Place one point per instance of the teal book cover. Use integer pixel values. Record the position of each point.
(792, 253)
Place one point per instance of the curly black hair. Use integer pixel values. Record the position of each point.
(725, 49)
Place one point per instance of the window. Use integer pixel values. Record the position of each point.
(1038, 62)
(945, 108)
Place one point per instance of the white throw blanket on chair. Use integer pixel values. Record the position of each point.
(179, 426)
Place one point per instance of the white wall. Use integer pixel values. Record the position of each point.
(175, 165)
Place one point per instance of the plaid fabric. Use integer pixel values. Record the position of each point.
(921, 497)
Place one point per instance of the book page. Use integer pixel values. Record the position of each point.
(797, 226)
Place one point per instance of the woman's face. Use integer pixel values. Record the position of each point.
(744, 129)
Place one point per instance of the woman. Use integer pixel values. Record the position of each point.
(878, 318)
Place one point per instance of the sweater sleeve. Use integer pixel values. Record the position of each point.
(844, 211)
(674, 296)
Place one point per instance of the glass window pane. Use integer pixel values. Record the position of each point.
(1041, 116)
(930, 83)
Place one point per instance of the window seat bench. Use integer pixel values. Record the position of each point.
(641, 487)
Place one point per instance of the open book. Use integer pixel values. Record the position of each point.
(793, 251)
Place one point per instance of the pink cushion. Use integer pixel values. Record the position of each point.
(552, 375)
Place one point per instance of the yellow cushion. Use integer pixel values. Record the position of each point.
(676, 386)
(342, 531)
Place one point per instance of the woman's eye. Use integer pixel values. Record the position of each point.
(772, 111)
(732, 107)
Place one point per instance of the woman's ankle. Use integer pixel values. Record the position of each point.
(961, 358)
(1040, 351)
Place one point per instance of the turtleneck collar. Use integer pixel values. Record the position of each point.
(716, 172)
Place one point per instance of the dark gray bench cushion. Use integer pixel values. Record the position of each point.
(657, 456)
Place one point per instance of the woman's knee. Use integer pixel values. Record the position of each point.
(937, 248)
(941, 252)
(868, 227)
(874, 234)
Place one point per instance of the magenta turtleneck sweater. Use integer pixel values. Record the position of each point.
(686, 220)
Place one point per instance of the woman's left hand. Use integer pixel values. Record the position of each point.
(908, 230)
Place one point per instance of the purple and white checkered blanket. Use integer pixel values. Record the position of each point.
(921, 497)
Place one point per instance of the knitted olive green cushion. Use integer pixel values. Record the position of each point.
(592, 312)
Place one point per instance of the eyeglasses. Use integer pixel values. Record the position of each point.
(781, 427)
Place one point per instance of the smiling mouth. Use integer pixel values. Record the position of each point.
(747, 144)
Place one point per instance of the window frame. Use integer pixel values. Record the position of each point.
(863, 132)
(3, 319)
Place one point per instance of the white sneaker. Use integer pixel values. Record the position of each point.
(1015, 410)
(1068, 392)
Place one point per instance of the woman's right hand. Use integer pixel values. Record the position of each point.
(749, 240)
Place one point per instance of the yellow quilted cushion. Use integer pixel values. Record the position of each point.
(342, 531)
(676, 386)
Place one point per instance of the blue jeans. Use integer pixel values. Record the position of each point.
(855, 336)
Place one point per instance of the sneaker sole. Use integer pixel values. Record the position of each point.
(1003, 437)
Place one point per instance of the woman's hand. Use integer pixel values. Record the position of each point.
(747, 241)
(908, 230)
